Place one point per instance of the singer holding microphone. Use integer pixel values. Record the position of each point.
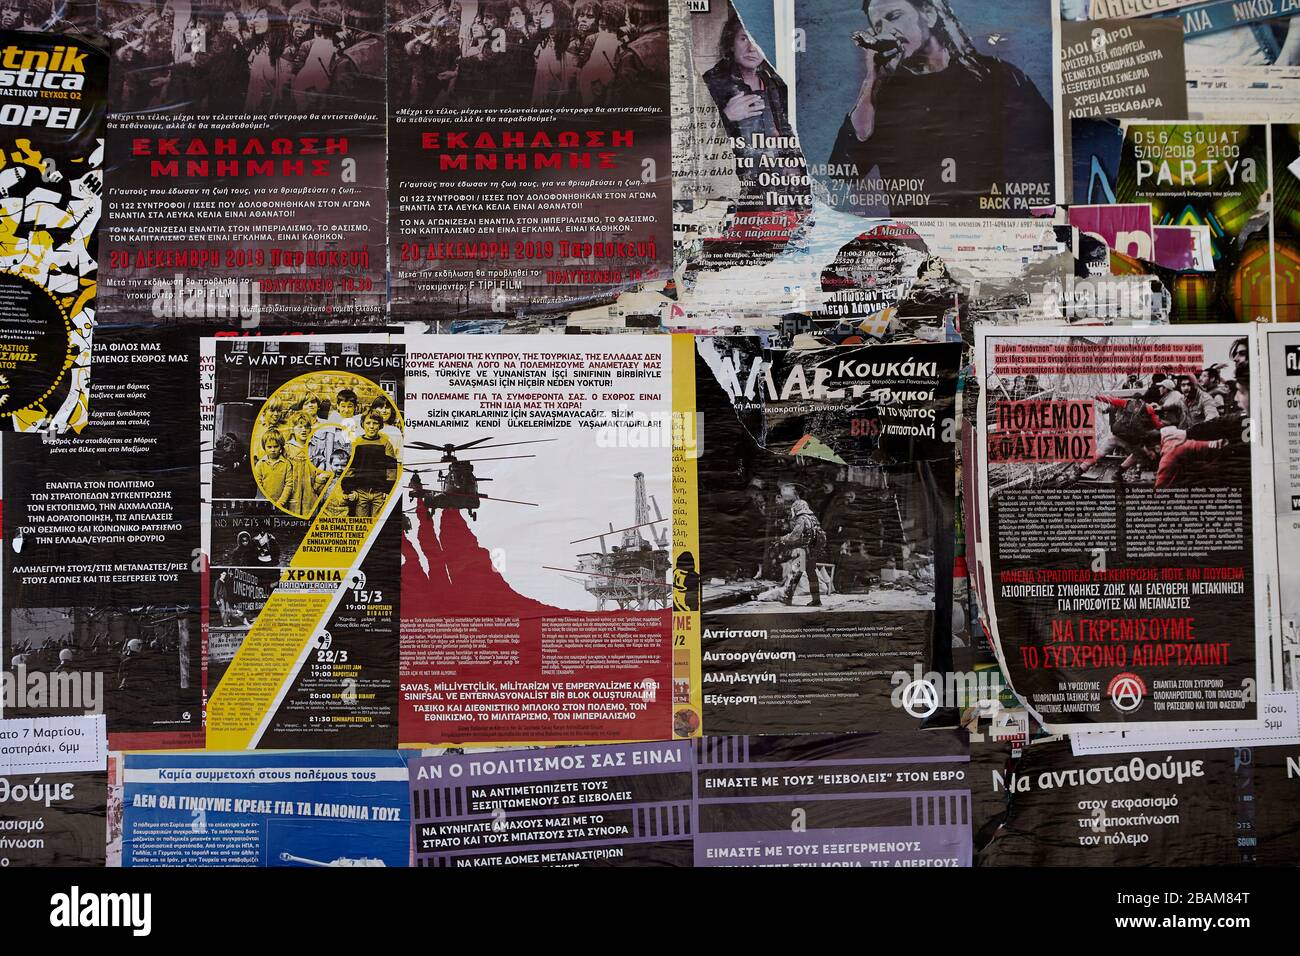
(931, 107)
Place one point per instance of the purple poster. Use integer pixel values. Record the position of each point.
(810, 800)
(1125, 227)
(1185, 248)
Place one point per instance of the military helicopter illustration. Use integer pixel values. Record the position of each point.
(458, 485)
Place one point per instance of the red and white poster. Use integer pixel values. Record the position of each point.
(536, 596)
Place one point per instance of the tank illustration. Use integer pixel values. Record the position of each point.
(288, 857)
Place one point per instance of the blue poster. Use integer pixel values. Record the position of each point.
(344, 808)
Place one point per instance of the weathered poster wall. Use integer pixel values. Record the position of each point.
(662, 432)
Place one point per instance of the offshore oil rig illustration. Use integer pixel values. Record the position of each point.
(632, 575)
